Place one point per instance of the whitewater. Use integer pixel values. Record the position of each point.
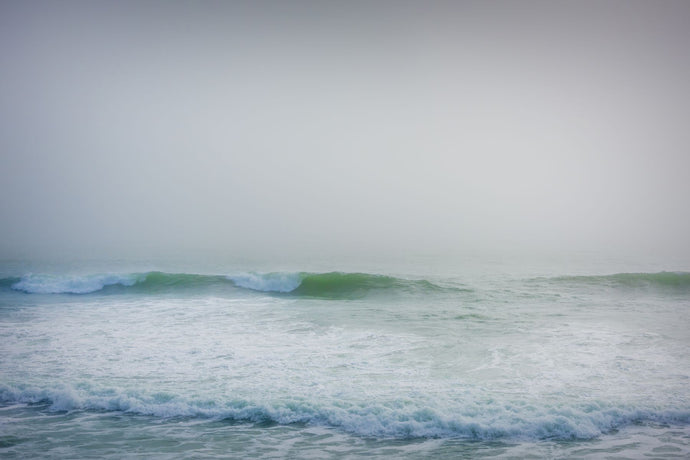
(375, 361)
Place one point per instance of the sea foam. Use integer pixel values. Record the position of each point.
(269, 282)
(66, 284)
(391, 419)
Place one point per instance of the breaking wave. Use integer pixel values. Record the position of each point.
(333, 285)
(393, 419)
(56, 284)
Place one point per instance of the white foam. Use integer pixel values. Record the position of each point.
(268, 282)
(532, 368)
(377, 418)
(71, 284)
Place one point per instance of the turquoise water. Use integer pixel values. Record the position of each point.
(408, 360)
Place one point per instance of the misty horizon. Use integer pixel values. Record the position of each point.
(170, 129)
(356, 229)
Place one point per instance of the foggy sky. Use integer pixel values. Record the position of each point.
(164, 127)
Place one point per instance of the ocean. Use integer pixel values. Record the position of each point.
(468, 358)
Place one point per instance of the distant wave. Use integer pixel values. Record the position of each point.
(394, 419)
(659, 279)
(333, 285)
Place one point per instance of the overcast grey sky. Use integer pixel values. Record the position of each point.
(161, 127)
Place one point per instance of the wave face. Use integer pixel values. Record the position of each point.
(334, 285)
(354, 285)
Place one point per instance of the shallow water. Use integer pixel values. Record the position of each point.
(378, 362)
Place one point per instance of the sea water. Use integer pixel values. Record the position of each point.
(412, 360)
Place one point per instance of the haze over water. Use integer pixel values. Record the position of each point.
(169, 128)
(283, 230)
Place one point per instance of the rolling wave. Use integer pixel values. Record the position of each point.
(353, 285)
(333, 285)
(393, 419)
(640, 280)
(56, 284)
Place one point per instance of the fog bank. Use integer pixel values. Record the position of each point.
(173, 128)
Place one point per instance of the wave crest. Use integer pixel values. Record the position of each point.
(55, 284)
(269, 282)
(333, 285)
(471, 420)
